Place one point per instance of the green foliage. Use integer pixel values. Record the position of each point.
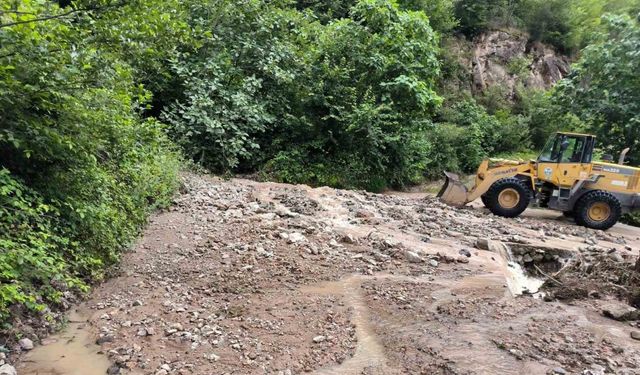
(568, 25)
(341, 93)
(482, 134)
(440, 12)
(603, 91)
(32, 267)
(476, 16)
(80, 169)
(455, 148)
(344, 100)
(549, 21)
(519, 66)
(632, 219)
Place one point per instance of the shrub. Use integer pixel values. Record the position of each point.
(80, 170)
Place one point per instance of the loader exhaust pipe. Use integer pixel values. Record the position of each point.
(453, 193)
(623, 155)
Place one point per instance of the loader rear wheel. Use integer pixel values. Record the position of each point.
(598, 210)
(508, 197)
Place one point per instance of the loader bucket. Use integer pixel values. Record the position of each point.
(453, 193)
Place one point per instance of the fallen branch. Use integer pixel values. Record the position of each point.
(548, 276)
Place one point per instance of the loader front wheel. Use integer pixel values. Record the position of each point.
(598, 210)
(508, 197)
(485, 200)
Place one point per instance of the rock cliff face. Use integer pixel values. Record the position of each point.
(507, 59)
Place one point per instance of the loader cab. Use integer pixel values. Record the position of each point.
(565, 159)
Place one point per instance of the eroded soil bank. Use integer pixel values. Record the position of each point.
(241, 277)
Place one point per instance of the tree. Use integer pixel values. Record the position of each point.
(476, 16)
(80, 168)
(603, 90)
(440, 13)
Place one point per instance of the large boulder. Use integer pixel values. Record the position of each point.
(8, 370)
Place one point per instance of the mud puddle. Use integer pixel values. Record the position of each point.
(71, 352)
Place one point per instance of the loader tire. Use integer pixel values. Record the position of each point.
(508, 197)
(598, 210)
(485, 200)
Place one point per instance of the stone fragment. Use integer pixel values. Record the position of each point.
(25, 344)
(620, 311)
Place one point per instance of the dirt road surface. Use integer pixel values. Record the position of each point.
(241, 277)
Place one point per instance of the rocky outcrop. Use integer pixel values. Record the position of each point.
(508, 59)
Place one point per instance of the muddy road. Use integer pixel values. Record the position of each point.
(241, 277)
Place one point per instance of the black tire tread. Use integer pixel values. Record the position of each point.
(485, 200)
(494, 191)
(582, 209)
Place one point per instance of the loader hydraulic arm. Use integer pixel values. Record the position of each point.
(455, 193)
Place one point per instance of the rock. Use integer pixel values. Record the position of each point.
(113, 370)
(462, 259)
(412, 257)
(296, 237)
(161, 372)
(465, 252)
(482, 244)
(635, 335)
(136, 303)
(212, 357)
(620, 311)
(488, 62)
(390, 243)
(616, 257)
(517, 353)
(103, 339)
(559, 370)
(595, 370)
(319, 339)
(363, 214)
(433, 263)
(348, 238)
(146, 332)
(25, 344)
(527, 258)
(8, 370)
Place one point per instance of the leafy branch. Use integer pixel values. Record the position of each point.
(57, 16)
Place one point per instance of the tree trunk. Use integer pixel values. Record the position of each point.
(638, 265)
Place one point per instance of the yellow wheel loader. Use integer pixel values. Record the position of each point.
(564, 178)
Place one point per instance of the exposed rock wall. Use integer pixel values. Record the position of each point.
(508, 59)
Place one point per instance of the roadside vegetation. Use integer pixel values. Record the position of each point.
(101, 99)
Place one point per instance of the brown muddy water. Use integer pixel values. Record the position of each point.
(71, 352)
(369, 352)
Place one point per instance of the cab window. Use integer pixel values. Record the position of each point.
(573, 153)
(551, 150)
